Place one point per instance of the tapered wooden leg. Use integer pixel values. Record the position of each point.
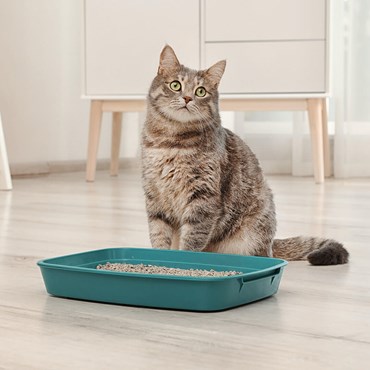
(315, 118)
(116, 142)
(94, 134)
(325, 137)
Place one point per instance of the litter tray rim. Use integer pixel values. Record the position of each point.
(281, 263)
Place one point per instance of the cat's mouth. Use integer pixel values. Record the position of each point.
(184, 107)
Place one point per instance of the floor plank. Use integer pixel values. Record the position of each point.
(318, 320)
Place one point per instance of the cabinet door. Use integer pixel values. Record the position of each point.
(255, 20)
(270, 67)
(123, 40)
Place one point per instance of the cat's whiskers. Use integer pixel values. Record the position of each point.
(202, 117)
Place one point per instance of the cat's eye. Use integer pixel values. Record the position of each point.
(201, 92)
(175, 85)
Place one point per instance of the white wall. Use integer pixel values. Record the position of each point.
(44, 118)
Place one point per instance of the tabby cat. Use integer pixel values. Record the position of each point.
(204, 188)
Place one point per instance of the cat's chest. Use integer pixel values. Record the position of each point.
(171, 168)
(174, 175)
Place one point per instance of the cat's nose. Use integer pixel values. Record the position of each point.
(187, 99)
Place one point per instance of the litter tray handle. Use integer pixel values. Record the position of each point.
(271, 274)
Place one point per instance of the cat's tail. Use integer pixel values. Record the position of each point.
(316, 250)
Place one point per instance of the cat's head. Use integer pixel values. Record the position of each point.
(182, 94)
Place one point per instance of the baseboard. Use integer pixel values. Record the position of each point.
(45, 168)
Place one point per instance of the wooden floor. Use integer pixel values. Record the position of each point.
(319, 319)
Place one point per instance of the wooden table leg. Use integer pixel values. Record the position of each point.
(116, 142)
(326, 142)
(316, 129)
(94, 135)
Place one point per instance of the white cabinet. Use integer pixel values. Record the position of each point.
(276, 52)
(271, 46)
(123, 40)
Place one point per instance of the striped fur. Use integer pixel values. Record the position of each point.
(204, 188)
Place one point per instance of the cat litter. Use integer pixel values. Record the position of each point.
(163, 270)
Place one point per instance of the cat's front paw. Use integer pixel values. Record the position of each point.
(191, 248)
(161, 247)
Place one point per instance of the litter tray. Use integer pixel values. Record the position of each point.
(76, 276)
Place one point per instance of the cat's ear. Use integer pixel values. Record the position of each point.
(168, 62)
(215, 72)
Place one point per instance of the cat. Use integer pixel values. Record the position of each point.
(204, 187)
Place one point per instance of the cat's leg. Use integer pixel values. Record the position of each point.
(160, 232)
(175, 239)
(197, 226)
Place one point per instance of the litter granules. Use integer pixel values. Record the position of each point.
(163, 270)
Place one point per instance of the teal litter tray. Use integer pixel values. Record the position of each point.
(76, 276)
